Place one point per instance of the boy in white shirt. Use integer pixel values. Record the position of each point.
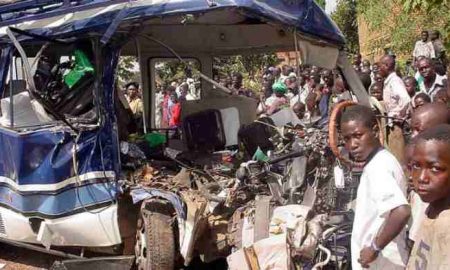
(382, 211)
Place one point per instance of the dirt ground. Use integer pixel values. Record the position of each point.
(13, 258)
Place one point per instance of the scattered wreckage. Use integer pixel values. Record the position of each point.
(268, 212)
(74, 183)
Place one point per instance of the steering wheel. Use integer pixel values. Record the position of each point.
(334, 136)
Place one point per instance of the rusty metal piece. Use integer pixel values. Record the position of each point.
(213, 241)
(251, 258)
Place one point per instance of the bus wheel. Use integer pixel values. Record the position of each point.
(155, 238)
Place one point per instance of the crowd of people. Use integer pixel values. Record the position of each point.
(403, 199)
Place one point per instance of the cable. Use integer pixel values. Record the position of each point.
(326, 261)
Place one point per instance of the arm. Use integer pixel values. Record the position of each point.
(395, 222)
(393, 225)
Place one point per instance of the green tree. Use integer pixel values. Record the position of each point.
(345, 17)
(128, 70)
(399, 22)
(250, 66)
(321, 3)
(410, 5)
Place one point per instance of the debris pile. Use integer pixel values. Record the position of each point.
(269, 211)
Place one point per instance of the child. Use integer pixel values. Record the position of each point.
(299, 110)
(312, 111)
(382, 211)
(166, 111)
(430, 171)
(376, 91)
(420, 100)
(175, 111)
(410, 85)
(441, 96)
(424, 118)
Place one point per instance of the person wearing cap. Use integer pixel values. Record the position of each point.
(276, 101)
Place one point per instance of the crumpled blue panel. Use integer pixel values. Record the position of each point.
(304, 15)
(45, 157)
(71, 200)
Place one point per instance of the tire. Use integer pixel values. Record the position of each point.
(155, 245)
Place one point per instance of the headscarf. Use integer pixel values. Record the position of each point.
(279, 87)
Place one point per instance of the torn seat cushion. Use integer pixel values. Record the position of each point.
(25, 113)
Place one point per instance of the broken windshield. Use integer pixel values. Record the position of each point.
(63, 90)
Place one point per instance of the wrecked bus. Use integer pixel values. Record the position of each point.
(70, 184)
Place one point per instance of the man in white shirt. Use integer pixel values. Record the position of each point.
(378, 237)
(424, 47)
(395, 96)
(396, 100)
(431, 80)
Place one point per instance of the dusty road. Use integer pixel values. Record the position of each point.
(12, 258)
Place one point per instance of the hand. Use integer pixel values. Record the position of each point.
(366, 256)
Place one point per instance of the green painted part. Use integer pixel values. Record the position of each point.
(82, 66)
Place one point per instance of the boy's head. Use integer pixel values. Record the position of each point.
(410, 85)
(376, 90)
(170, 89)
(428, 116)
(378, 77)
(327, 77)
(174, 97)
(424, 35)
(441, 96)
(360, 131)
(430, 165)
(299, 109)
(421, 99)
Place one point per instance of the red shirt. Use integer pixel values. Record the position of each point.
(176, 115)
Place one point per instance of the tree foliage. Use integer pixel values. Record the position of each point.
(345, 17)
(170, 70)
(321, 3)
(127, 70)
(428, 5)
(249, 66)
(399, 22)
